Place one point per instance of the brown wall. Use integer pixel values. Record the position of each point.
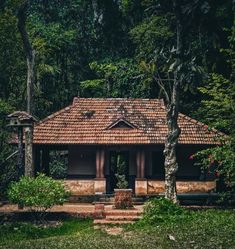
(132, 163)
(187, 168)
(156, 187)
(81, 161)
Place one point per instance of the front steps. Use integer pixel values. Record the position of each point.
(114, 216)
(109, 200)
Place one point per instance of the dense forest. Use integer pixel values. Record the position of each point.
(115, 48)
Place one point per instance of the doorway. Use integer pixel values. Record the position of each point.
(119, 163)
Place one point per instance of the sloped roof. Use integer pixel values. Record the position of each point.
(87, 121)
(21, 115)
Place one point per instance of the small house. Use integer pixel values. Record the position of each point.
(96, 133)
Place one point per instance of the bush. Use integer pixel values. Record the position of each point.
(160, 210)
(58, 170)
(222, 158)
(121, 181)
(38, 194)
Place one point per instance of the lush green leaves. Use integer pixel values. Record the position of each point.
(122, 78)
(152, 35)
(38, 194)
(161, 210)
(218, 105)
(8, 170)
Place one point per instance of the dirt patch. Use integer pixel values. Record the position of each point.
(113, 230)
(110, 230)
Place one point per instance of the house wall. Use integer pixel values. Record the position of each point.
(187, 170)
(132, 163)
(81, 162)
(82, 169)
(87, 187)
(186, 187)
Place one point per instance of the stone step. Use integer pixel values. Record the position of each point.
(112, 203)
(111, 199)
(107, 222)
(122, 218)
(122, 213)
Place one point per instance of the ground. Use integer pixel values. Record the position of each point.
(203, 230)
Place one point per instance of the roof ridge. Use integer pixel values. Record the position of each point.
(76, 99)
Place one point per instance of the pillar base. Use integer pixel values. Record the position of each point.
(100, 185)
(141, 186)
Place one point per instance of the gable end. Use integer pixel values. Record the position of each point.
(121, 124)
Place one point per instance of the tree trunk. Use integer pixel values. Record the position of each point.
(172, 108)
(171, 165)
(30, 57)
(30, 54)
(29, 169)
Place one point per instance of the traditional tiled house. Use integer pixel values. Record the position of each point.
(94, 130)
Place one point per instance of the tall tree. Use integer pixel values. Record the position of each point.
(176, 66)
(172, 108)
(29, 52)
(30, 57)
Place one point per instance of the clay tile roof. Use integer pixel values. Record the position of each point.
(21, 115)
(94, 121)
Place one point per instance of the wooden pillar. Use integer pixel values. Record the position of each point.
(100, 181)
(100, 159)
(97, 164)
(140, 162)
(141, 184)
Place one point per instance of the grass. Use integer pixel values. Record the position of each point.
(19, 231)
(199, 230)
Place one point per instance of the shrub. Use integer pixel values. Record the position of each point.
(121, 181)
(160, 210)
(58, 169)
(221, 158)
(38, 194)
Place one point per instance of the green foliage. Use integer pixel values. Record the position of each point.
(121, 78)
(152, 35)
(38, 194)
(121, 181)
(223, 158)
(161, 210)
(95, 88)
(8, 170)
(218, 105)
(58, 164)
(218, 110)
(58, 169)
